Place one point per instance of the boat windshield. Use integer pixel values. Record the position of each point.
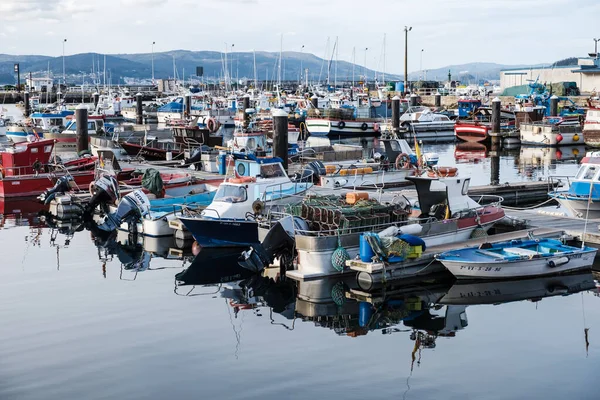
(271, 170)
(587, 172)
(231, 194)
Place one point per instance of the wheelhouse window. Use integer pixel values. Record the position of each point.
(272, 171)
(231, 194)
(590, 173)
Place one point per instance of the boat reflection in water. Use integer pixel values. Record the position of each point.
(20, 212)
(499, 292)
(473, 152)
(541, 161)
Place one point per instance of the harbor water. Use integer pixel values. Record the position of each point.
(88, 316)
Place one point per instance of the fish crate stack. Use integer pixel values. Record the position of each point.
(350, 213)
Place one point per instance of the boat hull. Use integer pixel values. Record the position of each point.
(521, 268)
(222, 233)
(326, 127)
(34, 185)
(579, 207)
(471, 132)
(371, 180)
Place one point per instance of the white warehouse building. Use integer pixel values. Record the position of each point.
(586, 75)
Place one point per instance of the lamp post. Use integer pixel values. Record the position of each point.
(231, 69)
(300, 78)
(421, 66)
(406, 30)
(596, 47)
(63, 57)
(365, 68)
(153, 43)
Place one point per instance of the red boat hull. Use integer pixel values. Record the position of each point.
(471, 132)
(34, 185)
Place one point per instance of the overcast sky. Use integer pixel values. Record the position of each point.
(449, 31)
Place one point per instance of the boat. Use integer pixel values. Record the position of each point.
(552, 131)
(26, 169)
(346, 121)
(423, 119)
(229, 221)
(582, 197)
(478, 128)
(445, 214)
(517, 259)
(591, 127)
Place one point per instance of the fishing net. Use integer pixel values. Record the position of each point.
(152, 181)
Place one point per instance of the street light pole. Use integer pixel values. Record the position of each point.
(421, 66)
(153, 43)
(596, 47)
(365, 68)
(63, 57)
(301, 53)
(406, 30)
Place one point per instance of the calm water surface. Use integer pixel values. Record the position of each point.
(85, 318)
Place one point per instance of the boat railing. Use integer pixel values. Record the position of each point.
(302, 183)
(556, 181)
(488, 199)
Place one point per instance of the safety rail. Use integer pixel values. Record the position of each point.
(304, 180)
(494, 199)
(556, 181)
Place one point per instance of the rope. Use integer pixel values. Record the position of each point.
(528, 208)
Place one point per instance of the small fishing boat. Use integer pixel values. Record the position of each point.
(552, 131)
(582, 197)
(517, 259)
(26, 169)
(229, 221)
(591, 127)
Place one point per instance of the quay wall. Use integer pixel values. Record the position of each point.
(452, 101)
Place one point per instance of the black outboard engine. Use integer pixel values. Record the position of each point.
(62, 185)
(311, 173)
(195, 157)
(132, 208)
(106, 192)
(277, 243)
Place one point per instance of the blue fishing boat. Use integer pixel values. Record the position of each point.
(582, 198)
(517, 259)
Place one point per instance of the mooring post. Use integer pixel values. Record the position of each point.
(396, 114)
(139, 109)
(413, 100)
(554, 106)
(496, 103)
(438, 100)
(245, 107)
(495, 161)
(26, 104)
(187, 105)
(96, 96)
(280, 136)
(81, 121)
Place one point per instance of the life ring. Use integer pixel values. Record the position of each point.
(403, 161)
(341, 124)
(442, 172)
(364, 126)
(211, 124)
(376, 127)
(243, 179)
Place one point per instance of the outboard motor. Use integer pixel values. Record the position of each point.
(277, 243)
(62, 185)
(105, 192)
(132, 208)
(311, 173)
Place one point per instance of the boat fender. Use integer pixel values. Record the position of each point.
(341, 124)
(576, 138)
(559, 138)
(364, 126)
(411, 229)
(557, 262)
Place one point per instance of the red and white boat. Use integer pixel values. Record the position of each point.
(26, 169)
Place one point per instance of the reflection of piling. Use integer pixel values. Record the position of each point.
(496, 103)
(245, 107)
(139, 110)
(187, 100)
(96, 97)
(396, 114)
(553, 106)
(280, 136)
(27, 104)
(413, 100)
(81, 121)
(438, 100)
(495, 161)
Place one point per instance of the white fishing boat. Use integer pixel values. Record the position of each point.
(555, 131)
(517, 259)
(229, 221)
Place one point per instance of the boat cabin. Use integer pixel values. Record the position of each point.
(26, 158)
(51, 121)
(95, 125)
(442, 198)
(588, 174)
(467, 107)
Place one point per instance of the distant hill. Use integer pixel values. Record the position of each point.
(566, 62)
(468, 72)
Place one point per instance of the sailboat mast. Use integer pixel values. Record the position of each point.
(353, 63)
(255, 75)
(383, 75)
(336, 61)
